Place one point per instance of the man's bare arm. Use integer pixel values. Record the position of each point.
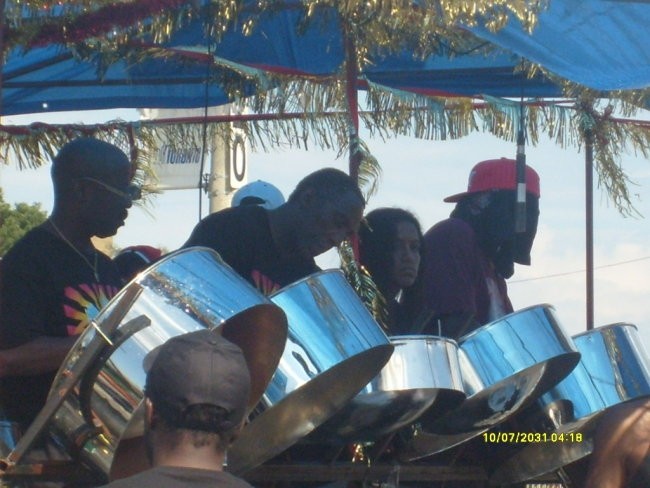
(41, 355)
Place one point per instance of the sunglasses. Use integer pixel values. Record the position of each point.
(132, 192)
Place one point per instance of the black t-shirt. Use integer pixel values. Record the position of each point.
(173, 477)
(242, 236)
(46, 289)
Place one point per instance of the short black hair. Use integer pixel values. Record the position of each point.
(207, 424)
(85, 157)
(377, 237)
(203, 417)
(327, 183)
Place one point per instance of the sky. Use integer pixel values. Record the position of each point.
(417, 175)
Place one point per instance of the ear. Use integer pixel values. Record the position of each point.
(479, 202)
(150, 416)
(84, 191)
(307, 197)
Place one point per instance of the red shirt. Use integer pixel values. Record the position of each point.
(458, 278)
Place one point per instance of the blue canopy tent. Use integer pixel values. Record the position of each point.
(599, 44)
(51, 79)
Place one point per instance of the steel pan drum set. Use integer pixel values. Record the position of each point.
(324, 373)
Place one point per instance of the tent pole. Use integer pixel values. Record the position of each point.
(589, 212)
(2, 48)
(351, 74)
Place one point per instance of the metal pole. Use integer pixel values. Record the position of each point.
(2, 48)
(351, 75)
(520, 205)
(589, 213)
(217, 192)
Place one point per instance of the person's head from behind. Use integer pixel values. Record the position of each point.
(133, 259)
(258, 193)
(389, 248)
(197, 391)
(92, 183)
(328, 209)
(489, 206)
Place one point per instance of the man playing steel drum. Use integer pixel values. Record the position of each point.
(53, 280)
(274, 248)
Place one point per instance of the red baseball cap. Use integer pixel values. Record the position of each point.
(497, 174)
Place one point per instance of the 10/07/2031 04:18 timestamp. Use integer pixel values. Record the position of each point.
(531, 437)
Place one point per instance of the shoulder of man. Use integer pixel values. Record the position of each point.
(231, 481)
(451, 229)
(33, 243)
(165, 476)
(232, 220)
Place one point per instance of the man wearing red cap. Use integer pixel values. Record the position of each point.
(467, 257)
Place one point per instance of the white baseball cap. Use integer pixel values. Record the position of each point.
(258, 193)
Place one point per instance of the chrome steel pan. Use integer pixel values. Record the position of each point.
(507, 364)
(185, 291)
(614, 368)
(421, 369)
(334, 349)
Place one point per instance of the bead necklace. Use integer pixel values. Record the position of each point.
(86, 260)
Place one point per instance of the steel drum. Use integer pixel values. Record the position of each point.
(421, 370)
(614, 368)
(423, 438)
(334, 349)
(185, 291)
(506, 364)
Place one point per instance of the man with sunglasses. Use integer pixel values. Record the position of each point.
(54, 280)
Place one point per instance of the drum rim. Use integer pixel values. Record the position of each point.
(494, 323)
(421, 337)
(311, 277)
(603, 328)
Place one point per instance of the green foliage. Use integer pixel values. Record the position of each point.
(16, 221)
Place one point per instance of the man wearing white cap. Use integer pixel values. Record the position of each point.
(467, 257)
(258, 193)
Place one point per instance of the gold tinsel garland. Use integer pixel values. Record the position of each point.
(109, 24)
(361, 281)
(300, 114)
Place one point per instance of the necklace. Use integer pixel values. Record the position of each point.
(86, 260)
